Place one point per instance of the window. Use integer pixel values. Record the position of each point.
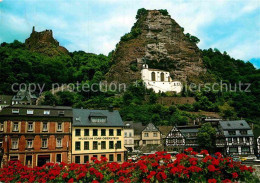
(77, 146)
(45, 127)
(59, 142)
(1, 142)
(95, 132)
(118, 132)
(28, 160)
(46, 112)
(86, 132)
(247, 139)
(118, 144)
(77, 159)
(14, 143)
(243, 132)
(235, 140)
(153, 76)
(111, 157)
(1, 126)
(103, 132)
(59, 127)
(58, 158)
(125, 141)
(146, 134)
(30, 127)
(111, 132)
(86, 158)
(155, 134)
(245, 149)
(162, 76)
(119, 158)
(14, 158)
(130, 134)
(94, 156)
(15, 127)
(241, 140)
(233, 150)
(29, 111)
(232, 132)
(230, 140)
(111, 144)
(130, 141)
(77, 132)
(103, 145)
(125, 134)
(98, 119)
(95, 145)
(86, 145)
(29, 143)
(44, 143)
(15, 111)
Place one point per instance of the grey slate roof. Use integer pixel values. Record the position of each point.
(138, 128)
(38, 111)
(81, 117)
(234, 125)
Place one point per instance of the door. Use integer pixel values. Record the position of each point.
(43, 159)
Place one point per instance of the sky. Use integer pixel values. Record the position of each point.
(96, 25)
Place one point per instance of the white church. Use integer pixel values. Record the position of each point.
(159, 80)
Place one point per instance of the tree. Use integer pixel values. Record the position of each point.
(207, 137)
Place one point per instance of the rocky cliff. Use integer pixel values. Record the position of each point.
(156, 39)
(43, 42)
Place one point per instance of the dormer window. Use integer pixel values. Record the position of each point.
(97, 119)
(243, 132)
(29, 111)
(15, 111)
(232, 132)
(46, 112)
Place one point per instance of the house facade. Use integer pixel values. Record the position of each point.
(239, 138)
(97, 133)
(129, 135)
(159, 80)
(36, 135)
(24, 97)
(175, 140)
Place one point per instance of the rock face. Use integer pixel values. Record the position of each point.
(161, 44)
(43, 42)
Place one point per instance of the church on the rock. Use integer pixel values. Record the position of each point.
(159, 80)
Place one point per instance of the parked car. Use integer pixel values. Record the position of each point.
(251, 157)
(243, 158)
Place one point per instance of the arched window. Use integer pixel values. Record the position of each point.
(153, 76)
(169, 78)
(162, 76)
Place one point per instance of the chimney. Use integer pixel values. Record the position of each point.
(110, 108)
(33, 30)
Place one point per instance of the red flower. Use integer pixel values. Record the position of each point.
(205, 152)
(190, 149)
(235, 175)
(71, 180)
(211, 168)
(226, 181)
(161, 176)
(212, 181)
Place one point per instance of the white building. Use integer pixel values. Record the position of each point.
(159, 80)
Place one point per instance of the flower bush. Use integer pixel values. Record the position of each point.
(158, 167)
